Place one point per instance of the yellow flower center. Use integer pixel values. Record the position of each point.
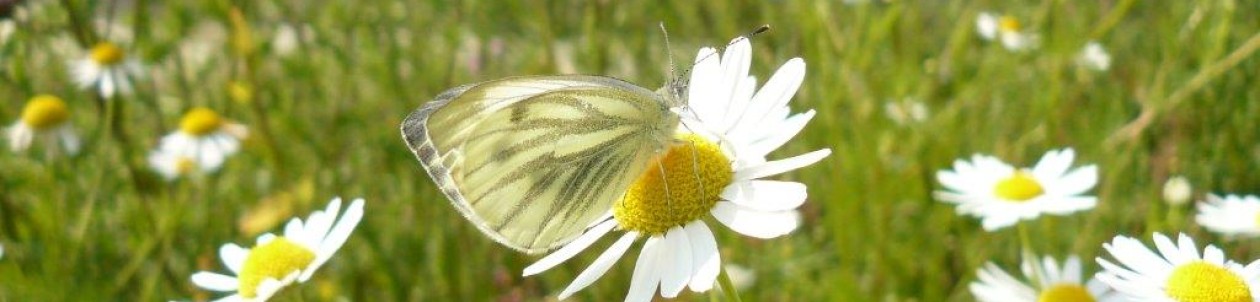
(1065, 292)
(106, 53)
(1008, 24)
(200, 121)
(272, 260)
(44, 112)
(1020, 187)
(185, 165)
(694, 173)
(1200, 281)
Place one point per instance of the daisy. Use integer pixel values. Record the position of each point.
(172, 165)
(714, 170)
(1178, 273)
(1177, 190)
(1235, 216)
(1006, 29)
(277, 261)
(1094, 56)
(47, 119)
(1053, 283)
(1002, 195)
(205, 137)
(106, 69)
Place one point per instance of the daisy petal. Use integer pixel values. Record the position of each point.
(570, 249)
(215, 282)
(766, 195)
(599, 267)
(705, 257)
(757, 224)
(646, 277)
(782, 165)
(676, 265)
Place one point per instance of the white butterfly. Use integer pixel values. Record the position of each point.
(532, 160)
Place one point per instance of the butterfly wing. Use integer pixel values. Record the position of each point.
(533, 160)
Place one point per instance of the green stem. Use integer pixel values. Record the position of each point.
(728, 287)
(1026, 252)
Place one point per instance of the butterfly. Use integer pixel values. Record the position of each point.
(533, 160)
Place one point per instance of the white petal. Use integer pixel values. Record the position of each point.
(215, 282)
(571, 249)
(782, 165)
(293, 230)
(781, 133)
(1054, 164)
(233, 256)
(106, 85)
(676, 265)
(777, 92)
(705, 257)
(766, 195)
(336, 237)
(318, 224)
(600, 266)
(758, 224)
(646, 277)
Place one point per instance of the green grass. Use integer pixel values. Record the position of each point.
(325, 117)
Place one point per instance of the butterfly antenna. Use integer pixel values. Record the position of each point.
(669, 51)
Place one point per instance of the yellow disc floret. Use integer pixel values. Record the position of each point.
(1019, 187)
(678, 187)
(1065, 292)
(1008, 24)
(200, 121)
(106, 53)
(44, 112)
(272, 260)
(1200, 281)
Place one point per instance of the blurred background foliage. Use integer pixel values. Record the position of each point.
(323, 86)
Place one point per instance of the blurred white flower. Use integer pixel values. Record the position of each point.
(46, 119)
(289, 37)
(173, 165)
(277, 261)
(1053, 283)
(107, 69)
(1002, 195)
(1177, 190)
(1233, 215)
(1178, 272)
(1005, 29)
(205, 137)
(1094, 56)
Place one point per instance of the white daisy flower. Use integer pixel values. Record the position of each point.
(277, 261)
(1177, 190)
(1178, 273)
(46, 119)
(107, 69)
(1002, 195)
(1006, 29)
(1094, 56)
(205, 137)
(173, 165)
(1053, 283)
(735, 127)
(1233, 215)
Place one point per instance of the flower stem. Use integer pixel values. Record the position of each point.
(1026, 252)
(728, 287)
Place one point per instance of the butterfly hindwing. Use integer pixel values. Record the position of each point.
(533, 160)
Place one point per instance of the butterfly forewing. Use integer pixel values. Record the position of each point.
(533, 160)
